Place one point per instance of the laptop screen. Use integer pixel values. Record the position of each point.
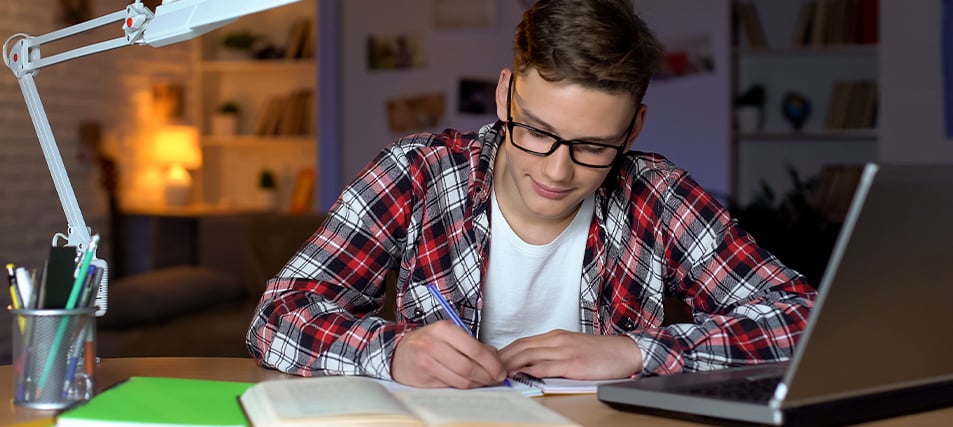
(884, 320)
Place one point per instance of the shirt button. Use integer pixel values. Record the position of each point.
(418, 313)
(629, 325)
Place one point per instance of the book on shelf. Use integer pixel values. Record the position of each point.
(819, 23)
(838, 105)
(303, 191)
(836, 22)
(835, 189)
(287, 115)
(853, 105)
(160, 402)
(869, 21)
(269, 116)
(850, 30)
(300, 44)
(350, 400)
(803, 27)
(751, 22)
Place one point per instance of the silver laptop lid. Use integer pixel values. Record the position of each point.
(889, 311)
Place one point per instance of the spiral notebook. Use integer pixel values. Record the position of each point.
(532, 386)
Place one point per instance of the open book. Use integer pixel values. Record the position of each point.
(349, 401)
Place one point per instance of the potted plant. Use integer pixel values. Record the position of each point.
(749, 109)
(239, 44)
(267, 190)
(225, 120)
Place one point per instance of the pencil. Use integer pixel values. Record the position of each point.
(14, 294)
(70, 305)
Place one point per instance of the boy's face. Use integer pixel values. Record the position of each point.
(542, 189)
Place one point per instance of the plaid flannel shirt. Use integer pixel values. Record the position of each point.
(422, 208)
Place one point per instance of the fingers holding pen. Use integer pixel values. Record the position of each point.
(444, 355)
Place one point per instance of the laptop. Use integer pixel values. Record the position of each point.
(879, 341)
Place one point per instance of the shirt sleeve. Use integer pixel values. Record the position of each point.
(319, 314)
(747, 306)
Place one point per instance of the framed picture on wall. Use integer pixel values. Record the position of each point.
(415, 113)
(454, 14)
(476, 96)
(395, 52)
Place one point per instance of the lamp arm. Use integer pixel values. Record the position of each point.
(77, 231)
(24, 57)
(174, 20)
(25, 61)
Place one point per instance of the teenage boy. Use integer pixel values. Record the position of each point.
(553, 242)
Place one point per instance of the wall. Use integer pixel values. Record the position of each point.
(359, 130)
(689, 119)
(911, 72)
(107, 88)
(450, 54)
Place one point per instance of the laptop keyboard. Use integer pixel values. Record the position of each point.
(758, 390)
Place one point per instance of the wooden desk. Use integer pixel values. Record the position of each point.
(585, 409)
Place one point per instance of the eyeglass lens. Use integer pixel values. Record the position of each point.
(530, 139)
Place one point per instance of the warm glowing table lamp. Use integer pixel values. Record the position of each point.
(176, 148)
(173, 21)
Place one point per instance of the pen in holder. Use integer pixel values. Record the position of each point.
(51, 355)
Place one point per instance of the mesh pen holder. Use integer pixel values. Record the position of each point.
(54, 357)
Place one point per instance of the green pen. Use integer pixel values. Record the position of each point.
(78, 281)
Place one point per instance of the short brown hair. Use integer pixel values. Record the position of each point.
(601, 44)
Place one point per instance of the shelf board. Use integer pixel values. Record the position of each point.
(256, 66)
(798, 51)
(812, 135)
(258, 140)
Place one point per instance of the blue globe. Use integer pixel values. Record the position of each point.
(796, 109)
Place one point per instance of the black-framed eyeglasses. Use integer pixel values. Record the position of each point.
(542, 143)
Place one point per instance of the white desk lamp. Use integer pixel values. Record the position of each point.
(173, 21)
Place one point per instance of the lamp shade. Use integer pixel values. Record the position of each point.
(177, 145)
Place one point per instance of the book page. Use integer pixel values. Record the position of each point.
(441, 407)
(321, 398)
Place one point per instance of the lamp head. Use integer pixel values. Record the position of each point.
(178, 20)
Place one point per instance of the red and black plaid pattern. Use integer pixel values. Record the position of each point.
(421, 208)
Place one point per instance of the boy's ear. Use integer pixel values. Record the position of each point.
(637, 126)
(502, 89)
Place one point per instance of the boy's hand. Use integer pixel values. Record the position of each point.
(573, 355)
(444, 355)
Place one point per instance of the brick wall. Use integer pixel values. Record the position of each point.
(108, 87)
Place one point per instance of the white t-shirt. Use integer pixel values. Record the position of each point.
(533, 289)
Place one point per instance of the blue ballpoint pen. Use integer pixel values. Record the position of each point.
(449, 311)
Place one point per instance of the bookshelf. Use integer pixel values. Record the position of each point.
(274, 85)
(823, 50)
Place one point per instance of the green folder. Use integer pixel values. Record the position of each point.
(159, 401)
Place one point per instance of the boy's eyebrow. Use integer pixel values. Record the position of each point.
(542, 124)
